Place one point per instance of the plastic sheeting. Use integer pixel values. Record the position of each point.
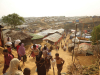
(54, 37)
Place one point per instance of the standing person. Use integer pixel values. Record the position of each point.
(7, 59)
(21, 52)
(45, 52)
(10, 50)
(13, 68)
(45, 47)
(57, 47)
(35, 50)
(32, 52)
(7, 39)
(27, 71)
(17, 47)
(40, 62)
(51, 48)
(59, 62)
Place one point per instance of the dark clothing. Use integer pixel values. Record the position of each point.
(41, 70)
(47, 63)
(5, 68)
(19, 57)
(59, 67)
(24, 58)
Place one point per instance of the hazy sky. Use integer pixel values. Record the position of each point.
(38, 8)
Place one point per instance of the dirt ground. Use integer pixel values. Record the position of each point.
(30, 63)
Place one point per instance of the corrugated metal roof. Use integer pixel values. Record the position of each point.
(54, 37)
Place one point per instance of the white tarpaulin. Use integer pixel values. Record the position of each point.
(46, 32)
(54, 37)
(76, 40)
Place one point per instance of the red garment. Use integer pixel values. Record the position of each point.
(9, 49)
(7, 59)
(17, 47)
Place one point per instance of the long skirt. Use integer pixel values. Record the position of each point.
(41, 70)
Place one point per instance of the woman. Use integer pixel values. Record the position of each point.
(13, 68)
(40, 62)
(32, 52)
(21, 52)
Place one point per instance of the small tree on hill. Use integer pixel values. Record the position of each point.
(13, 20)
(95, 34)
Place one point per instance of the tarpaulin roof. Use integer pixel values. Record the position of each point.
(54, 37)
(46, 32)
(60, 30)
(35, 36)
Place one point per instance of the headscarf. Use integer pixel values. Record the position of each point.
(21, 50)
(13, 68)
(19, 73)
(39, 56)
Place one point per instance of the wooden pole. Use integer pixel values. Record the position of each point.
(74, 42)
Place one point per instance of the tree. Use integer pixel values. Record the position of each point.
(13, 20)
(95, 34)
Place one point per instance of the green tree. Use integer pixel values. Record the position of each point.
(95, 34)
(13, 20)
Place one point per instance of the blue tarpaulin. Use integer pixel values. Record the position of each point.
(77, 20)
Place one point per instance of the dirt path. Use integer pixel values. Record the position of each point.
(63, 54)
(30, 63)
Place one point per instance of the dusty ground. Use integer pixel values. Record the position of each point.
(31, 62)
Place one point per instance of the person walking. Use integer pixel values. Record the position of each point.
(21, 52)
(7, 59)
(59, 62)
(40, 62)
(14, 68)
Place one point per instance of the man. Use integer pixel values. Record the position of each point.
(51, 48)
(27, 71)
(59, 62)
(45, 47)
(7, 39)
(7, 59)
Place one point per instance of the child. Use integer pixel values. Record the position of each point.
(59, 62)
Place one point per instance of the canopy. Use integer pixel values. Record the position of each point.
(54, 37)
(84, 46)
(35, 36)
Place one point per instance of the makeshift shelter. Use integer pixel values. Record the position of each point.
(85, 48)
(54, 38)
(22, 26)
(61, 31)
(36, 38)
(46, 33)
(1, 36)
(25, 38)
(76, 40)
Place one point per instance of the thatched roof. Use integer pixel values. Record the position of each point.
(1, 26)
(19, 35)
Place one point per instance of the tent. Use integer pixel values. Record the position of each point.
(55, 38)
(35, 36)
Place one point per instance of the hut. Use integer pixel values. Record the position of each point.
(54, 38)
(25, 38)
(36, 39)
(1, 36)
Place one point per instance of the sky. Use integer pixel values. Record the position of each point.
(40, 8)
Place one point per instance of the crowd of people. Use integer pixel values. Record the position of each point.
(43, 56)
